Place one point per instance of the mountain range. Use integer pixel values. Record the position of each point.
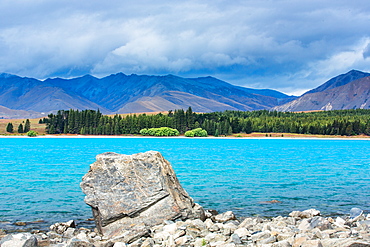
(22, 97)
(120, 93)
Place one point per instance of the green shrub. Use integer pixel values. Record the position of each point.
(31, 133)
(196, 132)
(162, 131)
(189, 133)
(144, 132)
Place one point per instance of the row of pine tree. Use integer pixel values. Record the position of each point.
(20, 129)
(338, 122)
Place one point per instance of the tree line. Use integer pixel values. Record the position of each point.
(337, 122)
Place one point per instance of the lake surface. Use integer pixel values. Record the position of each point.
(39, 177)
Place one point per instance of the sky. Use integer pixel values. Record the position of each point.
(287, 45)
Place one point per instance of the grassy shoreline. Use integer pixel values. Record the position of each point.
(40, 129)
(234, 136)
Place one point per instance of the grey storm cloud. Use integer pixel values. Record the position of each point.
(291, 46)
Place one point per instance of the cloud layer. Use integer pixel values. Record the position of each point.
(290, 45)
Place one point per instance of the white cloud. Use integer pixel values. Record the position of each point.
(286, 45)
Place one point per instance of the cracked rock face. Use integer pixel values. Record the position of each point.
(129, 194)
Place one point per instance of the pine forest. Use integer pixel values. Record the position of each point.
(90, 122)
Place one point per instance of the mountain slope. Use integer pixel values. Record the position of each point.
(9, 113)
(353, 95)
(122, 93)
(30, 94)
(340, 80)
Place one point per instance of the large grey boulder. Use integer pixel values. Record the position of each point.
(129, 194)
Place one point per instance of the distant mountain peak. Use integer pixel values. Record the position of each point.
(339, 80)
(346, 91)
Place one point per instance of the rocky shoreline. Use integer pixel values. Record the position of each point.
(306, 229)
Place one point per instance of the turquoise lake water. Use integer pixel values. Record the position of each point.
(39, 177)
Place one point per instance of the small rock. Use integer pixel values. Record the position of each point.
(82, 236)
(213, 237)
(229, 215)
(299, 241)
(197, 223)
(210, 212)
(235, 239)
(194, 232)
(305, 225)
(260, 236)
(214, 228)
(283, 243)
(200, 242)
(269, 240)
(217, 244)
(20, 223)
(71, 223)
(182, 240)
(170, 229)
(179, 233)
(309, 213)
(355, 212)
(70, 232)
(148, 243)
(168, 222)
(284, 236)
(312, 243)
(62, 227)
(119, 244)
(340, 242)
(74, 242)
(242, 232)
(340, 222)
(19, 240)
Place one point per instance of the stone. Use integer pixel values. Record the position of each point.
(260, 236)
(242, 232)
(229, 215)
(200, 242)
(19, 240)
(148, 243)
(182, 240)
(342, 242)
(60, 228)
(340, 222)
(74, 242)
(210, 212)
(235, 239)
(213, 237)
(193, 232)
(309, 213)
(312, 243)
(299, 241)
(269, 240)
(355, 212)
(284, 236)
(119, 244)
(129, 194)
(283, 243)
(69, 233)
(199, 224)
